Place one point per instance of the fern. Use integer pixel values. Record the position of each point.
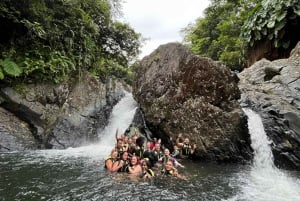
(10, 68)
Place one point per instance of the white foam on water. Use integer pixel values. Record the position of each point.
(264, 181)
(121, 117)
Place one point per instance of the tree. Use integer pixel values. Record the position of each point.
(230, 28)
(216, 35)
(55, 40)
(275, 20)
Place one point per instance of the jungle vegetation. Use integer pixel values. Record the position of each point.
(54, 40)
(230, 28)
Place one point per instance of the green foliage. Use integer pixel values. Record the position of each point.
(37, 66)
(268, 21)
(217, 35)
(35, 29)
(230, 27)
(9, 68)
(55, 40)
(126, 42)
(109, 68)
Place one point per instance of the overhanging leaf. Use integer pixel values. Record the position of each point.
(280, 16)
(10, 67)
(271, 24)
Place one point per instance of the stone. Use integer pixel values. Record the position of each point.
(277, 100)
(58, 115)
(180, 92)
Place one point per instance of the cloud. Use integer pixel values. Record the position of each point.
(161, 20)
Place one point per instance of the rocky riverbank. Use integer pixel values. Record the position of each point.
(56, 115)
(272, 88)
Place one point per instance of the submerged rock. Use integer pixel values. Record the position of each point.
(273, 90)
(179, 92)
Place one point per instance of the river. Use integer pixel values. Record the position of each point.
(78, 173)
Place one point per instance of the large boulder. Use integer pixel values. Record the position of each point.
(273, 90)
(179, 92)
(56, 115)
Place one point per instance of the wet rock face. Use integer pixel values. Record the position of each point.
(56, 116)
(182, 93)
(273, 90)
(22, 138)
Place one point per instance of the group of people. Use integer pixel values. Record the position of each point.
(145, 159)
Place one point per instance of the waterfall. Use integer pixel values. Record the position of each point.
(121, 117)
(263, 157)
(265, 182)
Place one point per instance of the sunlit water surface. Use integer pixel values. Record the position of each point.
(78, 173)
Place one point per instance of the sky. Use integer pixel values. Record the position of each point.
(160, 21)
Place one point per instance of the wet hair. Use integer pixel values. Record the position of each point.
(149, 156)
(113, 150)
(125, 152)
(140, 141)
(137, 159)
(148, 163)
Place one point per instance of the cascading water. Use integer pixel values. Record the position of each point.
(263, 157)
(78, 173)
(265, 182)
(121, 117)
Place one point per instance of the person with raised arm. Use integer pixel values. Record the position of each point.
(187, 150)
(121, 137)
